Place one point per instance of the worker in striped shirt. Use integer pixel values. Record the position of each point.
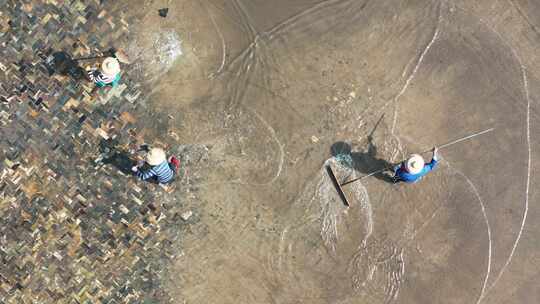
(109, 74)
(161, 170)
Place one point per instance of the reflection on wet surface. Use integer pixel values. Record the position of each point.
(260, 91)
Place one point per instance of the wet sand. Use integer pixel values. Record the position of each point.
(260, 91)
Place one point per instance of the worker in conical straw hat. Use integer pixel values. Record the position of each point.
(108, 74)
(414, 168)
(161, 169)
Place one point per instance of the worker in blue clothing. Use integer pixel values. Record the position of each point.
(414, 168)
(161, 170)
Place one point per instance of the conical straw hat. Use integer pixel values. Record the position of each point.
(155, 156)
(110, 66)
(415, 164)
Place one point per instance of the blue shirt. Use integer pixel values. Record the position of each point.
(407, 177)
(162, 172)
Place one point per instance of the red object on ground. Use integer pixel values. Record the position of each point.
(175, 161)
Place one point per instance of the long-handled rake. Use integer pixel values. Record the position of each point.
(339, 185)
(117, 53)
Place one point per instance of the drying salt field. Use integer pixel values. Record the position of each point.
(287, 118)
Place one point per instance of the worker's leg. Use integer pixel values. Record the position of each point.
(175, 162)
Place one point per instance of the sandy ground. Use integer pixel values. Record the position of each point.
(269, 92)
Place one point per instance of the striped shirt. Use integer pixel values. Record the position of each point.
(98, 77)
(163, 173)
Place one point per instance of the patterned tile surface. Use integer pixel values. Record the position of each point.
(74, 227)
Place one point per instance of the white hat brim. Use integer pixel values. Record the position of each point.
(110, 66)
(415, 164)
(155, 157)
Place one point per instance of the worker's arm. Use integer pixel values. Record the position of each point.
(102, 78)
(92, 74)
(146, 174)
(431, 165)
(97, 76)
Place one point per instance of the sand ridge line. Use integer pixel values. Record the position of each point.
(424, 224)
(279, 169)
(527, 185)
(407, 83)
(486, 219)
(527, 96)
(426, 49)
(280, 145)
(223, 44)
(524, 16)
(269, 34)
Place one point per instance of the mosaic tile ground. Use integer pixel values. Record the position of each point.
(75, 227)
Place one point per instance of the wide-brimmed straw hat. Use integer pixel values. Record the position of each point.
(155, 156)
(110, 66)
(415, 164)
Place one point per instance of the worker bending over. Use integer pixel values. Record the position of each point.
(161, 170)
(108, 75)
(414, 168)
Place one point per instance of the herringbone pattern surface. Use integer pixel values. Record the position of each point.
(73, 229)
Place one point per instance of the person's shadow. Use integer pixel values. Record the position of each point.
(365, 162)
(62, 63)
(118, 158)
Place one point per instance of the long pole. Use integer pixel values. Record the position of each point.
(461, 139)
(453, 142)
(88, 58)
